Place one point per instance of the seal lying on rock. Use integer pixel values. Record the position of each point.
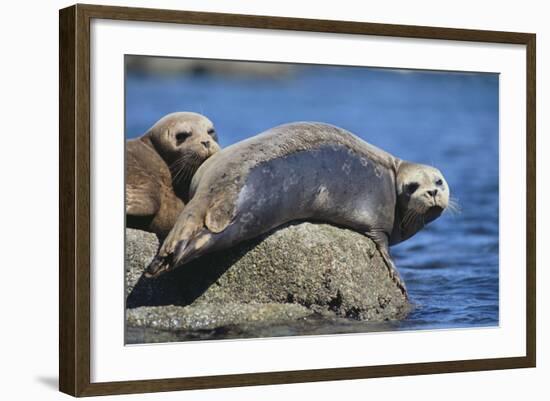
(159, 168)
(303, 171)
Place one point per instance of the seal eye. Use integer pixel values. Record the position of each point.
(212, 133)
(439, 182)
(182, 136)
(411, 188)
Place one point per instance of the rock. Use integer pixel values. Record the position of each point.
(212, 316)
(292, 272)
(141, 248)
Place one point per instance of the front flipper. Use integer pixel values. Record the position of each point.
(142, 199)
(220, 214)
(382, 244)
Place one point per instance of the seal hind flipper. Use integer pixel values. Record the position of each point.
(184, 251)
(187, 240)
(188, 250)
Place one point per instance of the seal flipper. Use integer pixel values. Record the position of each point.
(158, 265)
(382, 244)
(143, 200)
(191, 236)
(185, 251)
(188, 224)
(189, 250)
(219, 215)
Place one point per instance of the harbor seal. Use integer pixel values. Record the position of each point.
(303, 171)
(159, 168)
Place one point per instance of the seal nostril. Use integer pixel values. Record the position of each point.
(433, 192)
(206, 144)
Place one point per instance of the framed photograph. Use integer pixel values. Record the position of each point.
(250, 200)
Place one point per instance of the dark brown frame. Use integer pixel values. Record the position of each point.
(74, 199)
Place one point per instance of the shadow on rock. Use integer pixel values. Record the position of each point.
(184, 285)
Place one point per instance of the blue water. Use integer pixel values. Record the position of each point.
(449, 120)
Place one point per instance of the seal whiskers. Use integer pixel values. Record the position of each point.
(454, 206)
(184, 167)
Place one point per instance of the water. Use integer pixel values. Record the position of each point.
(449, 120)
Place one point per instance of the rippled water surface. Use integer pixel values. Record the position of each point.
(449, 120)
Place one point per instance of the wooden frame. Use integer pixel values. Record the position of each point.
(74, 199)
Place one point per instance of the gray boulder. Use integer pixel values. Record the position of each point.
(296, 271)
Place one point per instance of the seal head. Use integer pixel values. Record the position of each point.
(159, 168)
(422, 196)
(184, 140)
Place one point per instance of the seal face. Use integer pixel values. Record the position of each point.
(422, 196)
(302, 171)
(159, 168)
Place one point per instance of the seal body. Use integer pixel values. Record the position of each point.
(159, 168)
(151, 202)
(300, 171)
(317, 184)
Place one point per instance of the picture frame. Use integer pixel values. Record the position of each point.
(76, 201)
